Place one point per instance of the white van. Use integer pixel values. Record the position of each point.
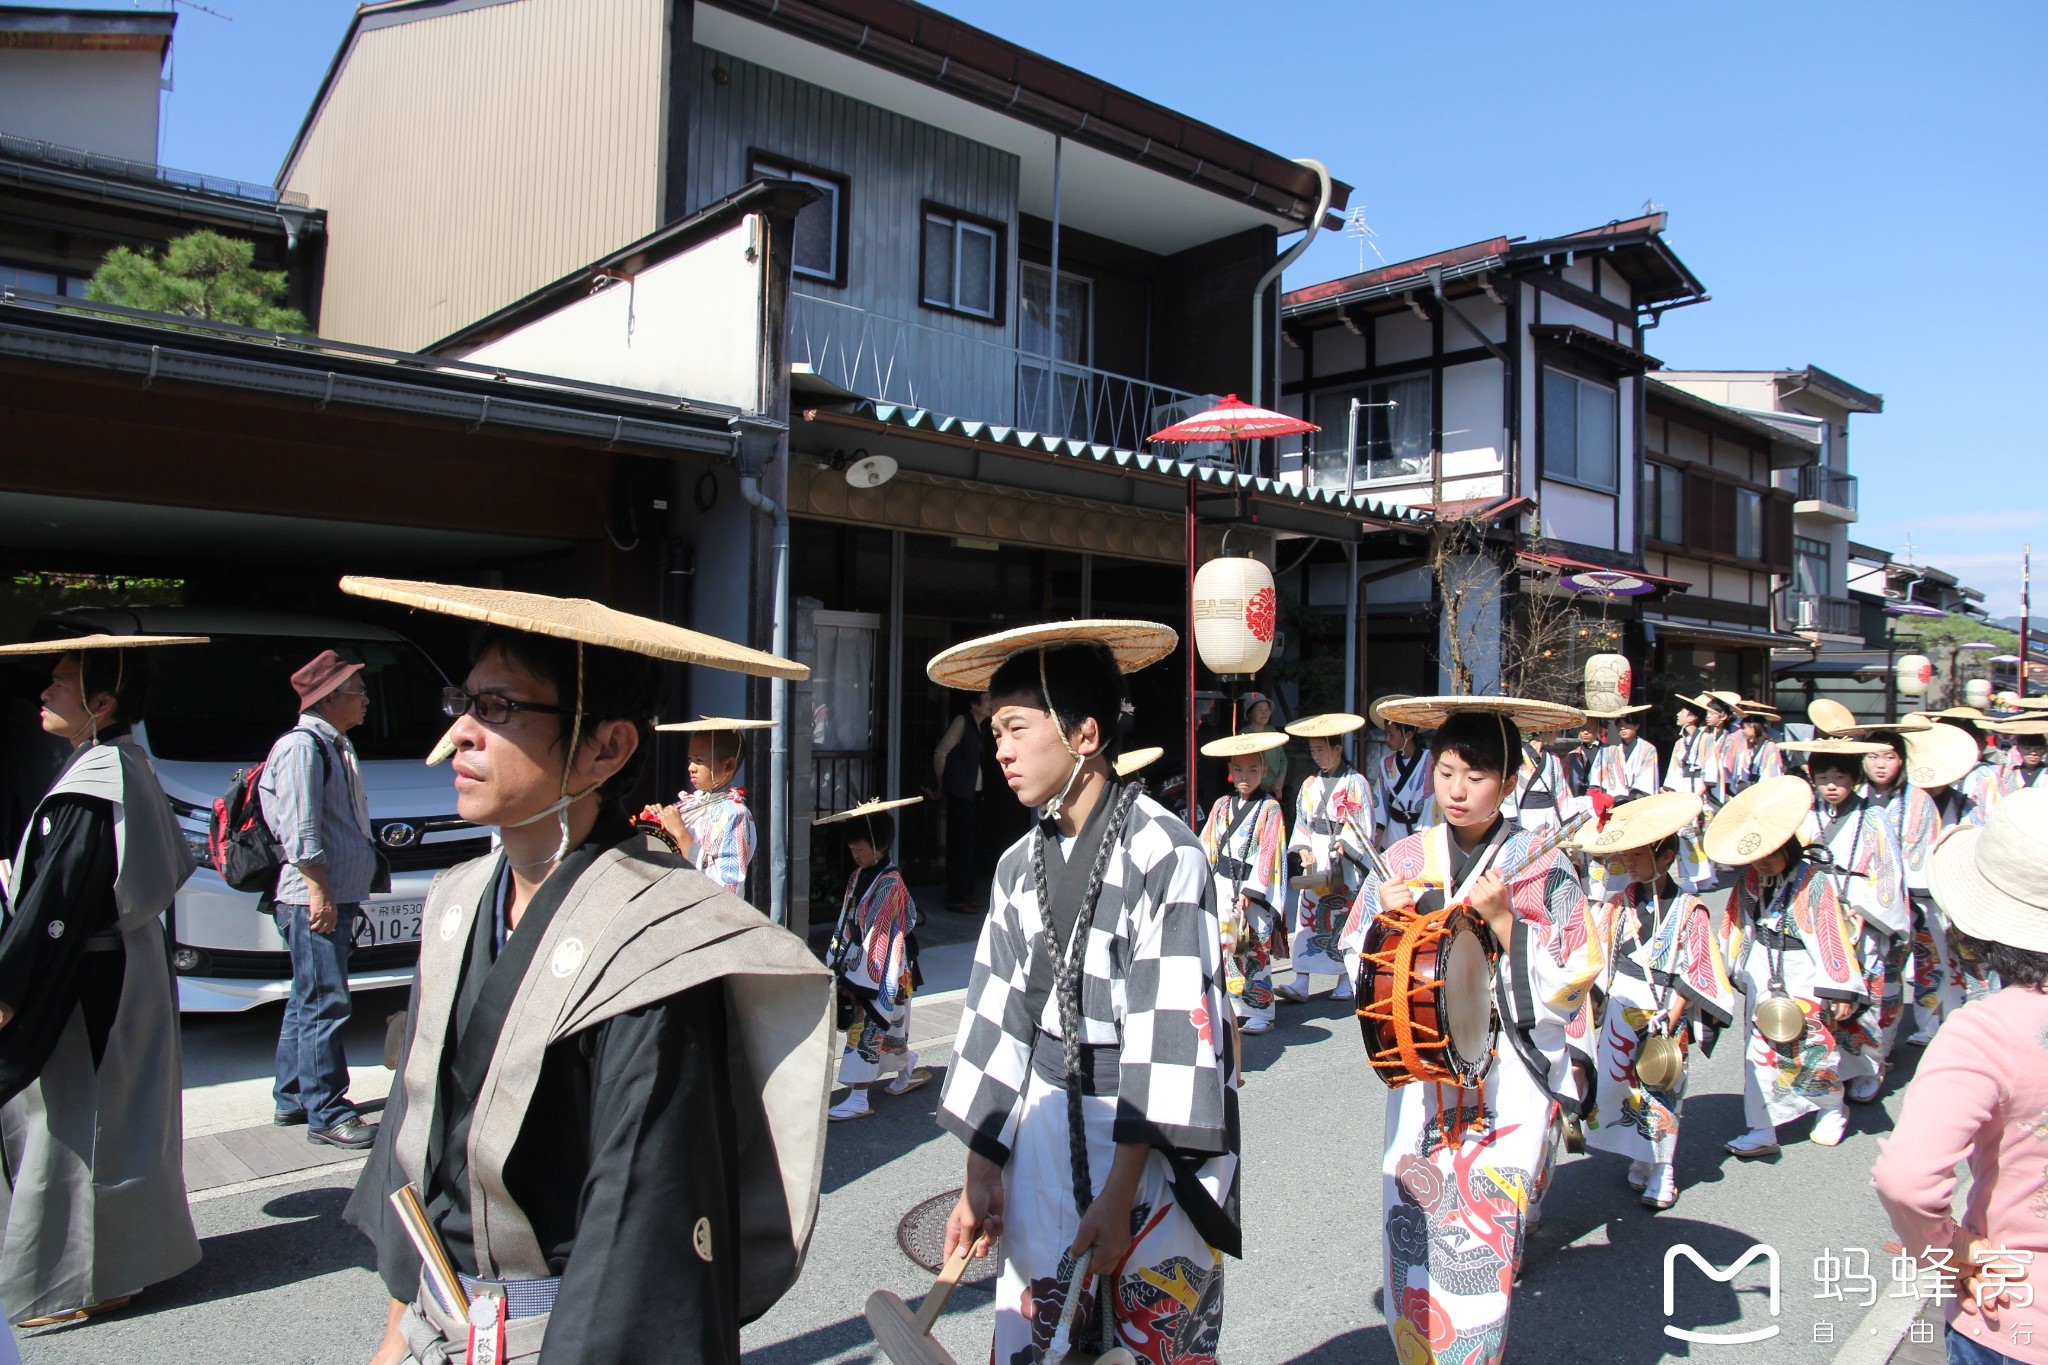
(217, 707)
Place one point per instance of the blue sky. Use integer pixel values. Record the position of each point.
(1856, 183)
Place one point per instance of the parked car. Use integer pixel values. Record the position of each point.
(218, 707)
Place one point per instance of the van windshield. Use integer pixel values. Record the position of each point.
(227, 701)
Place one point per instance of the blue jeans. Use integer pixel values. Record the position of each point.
(312, 1067)
(1964, 1349)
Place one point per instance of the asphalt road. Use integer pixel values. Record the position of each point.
(284, 1280)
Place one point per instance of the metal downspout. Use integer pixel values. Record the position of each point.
(1287, 258)
(778, 706)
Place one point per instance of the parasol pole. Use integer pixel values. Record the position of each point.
(1193, 804)
(2026, 586)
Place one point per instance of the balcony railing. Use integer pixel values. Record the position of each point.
(1827, 485)
(1813, 612)
(916, 365)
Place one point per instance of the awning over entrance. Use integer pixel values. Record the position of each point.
(1723, 637)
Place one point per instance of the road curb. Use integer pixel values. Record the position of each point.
(1880, 1332)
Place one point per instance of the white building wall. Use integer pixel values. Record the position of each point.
(99, 101)
(1472, 419)
(1400, 336)
(1577, 514)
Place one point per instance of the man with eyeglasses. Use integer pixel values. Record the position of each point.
(313, 801)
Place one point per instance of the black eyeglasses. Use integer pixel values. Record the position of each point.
(489, 707)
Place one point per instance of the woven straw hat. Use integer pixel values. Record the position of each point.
(1829, 715)
(1639, 823)
(1326, 726)
(1758, 820)
(2031, 703)
(1618, 712)
(79, 642)
(578, 619)
(713, 723)
(1968, 713)
(1126, 764)
(1427, 713)
(1905, 725)
(1375, 711)
(1992, 881)
(865, 808)
(970, 666)
(1832, 745)
(1250, 742)
(2017, 726)
(1699, 703)
(1939, 755)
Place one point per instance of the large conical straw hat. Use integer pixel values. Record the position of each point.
(1829, 715)
(1833, 745)
(578, 619)
(1758, 820)
(1126, 764)
(1939, 755)
(1618, 712)
(81, 642)
(2017, 726)
(1250, 742)
(1639, 823)
(1427, 713)
(1329, 725)
(1133, 644)
(708, 724)
(2031, 703)
(874, 806)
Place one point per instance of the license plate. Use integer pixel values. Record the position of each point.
(394, 922)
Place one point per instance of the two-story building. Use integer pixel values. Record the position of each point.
(80, 120)
(1813, 600)
(1501, 384)
(1009, 274)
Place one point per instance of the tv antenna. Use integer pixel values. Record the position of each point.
(1356, 228)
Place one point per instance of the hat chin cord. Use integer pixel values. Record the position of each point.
(1054, 804)
(560, 807)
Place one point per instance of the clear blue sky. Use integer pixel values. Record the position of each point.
(1858, 184)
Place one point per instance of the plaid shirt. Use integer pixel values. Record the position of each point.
(1152, 984)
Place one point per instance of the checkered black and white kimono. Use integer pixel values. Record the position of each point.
(1156, 1024)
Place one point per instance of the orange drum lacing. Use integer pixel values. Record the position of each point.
(1417, 1050)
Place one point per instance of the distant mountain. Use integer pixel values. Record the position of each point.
(2013, 622)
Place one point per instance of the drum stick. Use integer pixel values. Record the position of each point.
(434, 1262)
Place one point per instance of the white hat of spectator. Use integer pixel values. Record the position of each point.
(1992, 882)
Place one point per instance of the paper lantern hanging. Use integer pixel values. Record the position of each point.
(1236, 610)
(1977, 693)
(1608, 682)
(1914, 672)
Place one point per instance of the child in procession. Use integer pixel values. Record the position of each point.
(1334, 816)
(1665, 979)
(874, 956)
(1245, 838)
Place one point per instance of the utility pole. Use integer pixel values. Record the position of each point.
(2026, 585)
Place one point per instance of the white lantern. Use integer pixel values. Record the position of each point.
(1977, 692)
(1236, 610)
(1915, 671)
(1608, 681)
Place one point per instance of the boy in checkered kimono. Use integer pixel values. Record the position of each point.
(1091, 1077)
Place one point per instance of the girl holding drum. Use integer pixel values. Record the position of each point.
(1470, 1136)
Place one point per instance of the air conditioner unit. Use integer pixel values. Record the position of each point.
(1809, 611)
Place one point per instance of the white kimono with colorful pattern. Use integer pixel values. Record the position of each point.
(871, 953)
(723, 830)
(1454, 1217)
(1333, 820)
(1402, 795)
(1695, 767)
(1662, 951)
(1869, 875)
(1624, 771)
(1541, 799)
(1979, 790)
(1246, 841)
(1792, 931)
(1747, 764)
(1159, 1075)
(1915, 820)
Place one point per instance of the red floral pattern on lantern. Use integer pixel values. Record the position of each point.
(1624, 682)
(1260, 615)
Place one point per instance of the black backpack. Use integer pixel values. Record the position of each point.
(239, 842)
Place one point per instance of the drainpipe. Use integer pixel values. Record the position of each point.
(1287, 258)
(778, 712)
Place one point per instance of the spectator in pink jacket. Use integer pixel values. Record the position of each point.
(1981, 1096)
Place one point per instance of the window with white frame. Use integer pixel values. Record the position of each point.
(1663, 503)
(962, 268)
(1393, 431)
(818, 251)
(1581, 431)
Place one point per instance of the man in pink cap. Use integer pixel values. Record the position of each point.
(313, 802)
